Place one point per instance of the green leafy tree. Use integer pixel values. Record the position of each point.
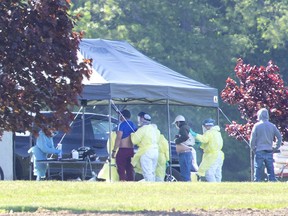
(258, 30)
(39, 67)
(258, 87)
(186, 36)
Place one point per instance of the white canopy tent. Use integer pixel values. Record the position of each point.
(123, 75)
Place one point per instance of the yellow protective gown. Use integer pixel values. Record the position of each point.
(211, 143)
(163, 158)
(143, 139)
(104, 172)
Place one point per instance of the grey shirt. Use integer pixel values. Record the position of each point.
(264, 132)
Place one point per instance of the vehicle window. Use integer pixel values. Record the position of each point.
(101, 129)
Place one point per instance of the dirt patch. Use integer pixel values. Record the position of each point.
(222, 212)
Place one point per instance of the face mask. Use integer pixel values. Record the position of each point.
(176, 125)
(204, 129)
(140, 123)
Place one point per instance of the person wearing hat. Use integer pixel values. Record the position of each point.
(184, 143)
(213, 156)
(163, 156)
(146, 138)
(125, 147)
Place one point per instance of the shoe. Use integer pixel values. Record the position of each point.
(200, 178)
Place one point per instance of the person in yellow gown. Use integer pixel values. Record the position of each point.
(163, 158)
(213, 156)
(146, 138)
(104, 173)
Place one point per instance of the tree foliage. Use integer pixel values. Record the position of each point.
(183, 35)
(258, 87)
(39, 67)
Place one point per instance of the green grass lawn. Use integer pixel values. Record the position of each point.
(138, 196)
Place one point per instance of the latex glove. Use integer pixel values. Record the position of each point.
(167, 164)
(197, 143)
(113, 154)
(59, 146)
(193, 133)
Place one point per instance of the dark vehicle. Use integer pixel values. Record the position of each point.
(95, 137)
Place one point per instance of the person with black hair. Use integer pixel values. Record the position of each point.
(125, 147)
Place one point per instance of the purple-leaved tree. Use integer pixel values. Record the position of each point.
(257, 87)
(38, 64)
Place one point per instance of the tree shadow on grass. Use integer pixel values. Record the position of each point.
(37, 211)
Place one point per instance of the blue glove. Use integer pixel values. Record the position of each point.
(197, 143)
(193, 133)
(167, 164)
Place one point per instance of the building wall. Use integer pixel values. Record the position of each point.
(6, 155)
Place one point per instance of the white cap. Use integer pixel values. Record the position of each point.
(147, 117)
(179, 118)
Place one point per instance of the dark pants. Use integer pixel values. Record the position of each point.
(124, 166)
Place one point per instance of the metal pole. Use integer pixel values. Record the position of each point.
(252, 164)
(84, 104)
(218, 116)
(169, 137)
(110, 144)
(83, 127)
(246, 141)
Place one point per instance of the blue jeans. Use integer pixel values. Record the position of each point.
(264, 158)
(185, 162)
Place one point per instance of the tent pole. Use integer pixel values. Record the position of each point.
(110, 144)
(218, 116)
(83, 104)
(169, 136)
(246, 141)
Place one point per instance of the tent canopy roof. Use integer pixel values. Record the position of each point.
(123, 74)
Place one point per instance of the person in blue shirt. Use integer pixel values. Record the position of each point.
(44, 146)
(125, 147)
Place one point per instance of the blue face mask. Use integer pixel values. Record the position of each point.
(54, 133)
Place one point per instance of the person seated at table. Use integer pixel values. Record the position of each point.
(44, 146)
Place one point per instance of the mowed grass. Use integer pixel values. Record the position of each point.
(138, 196)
